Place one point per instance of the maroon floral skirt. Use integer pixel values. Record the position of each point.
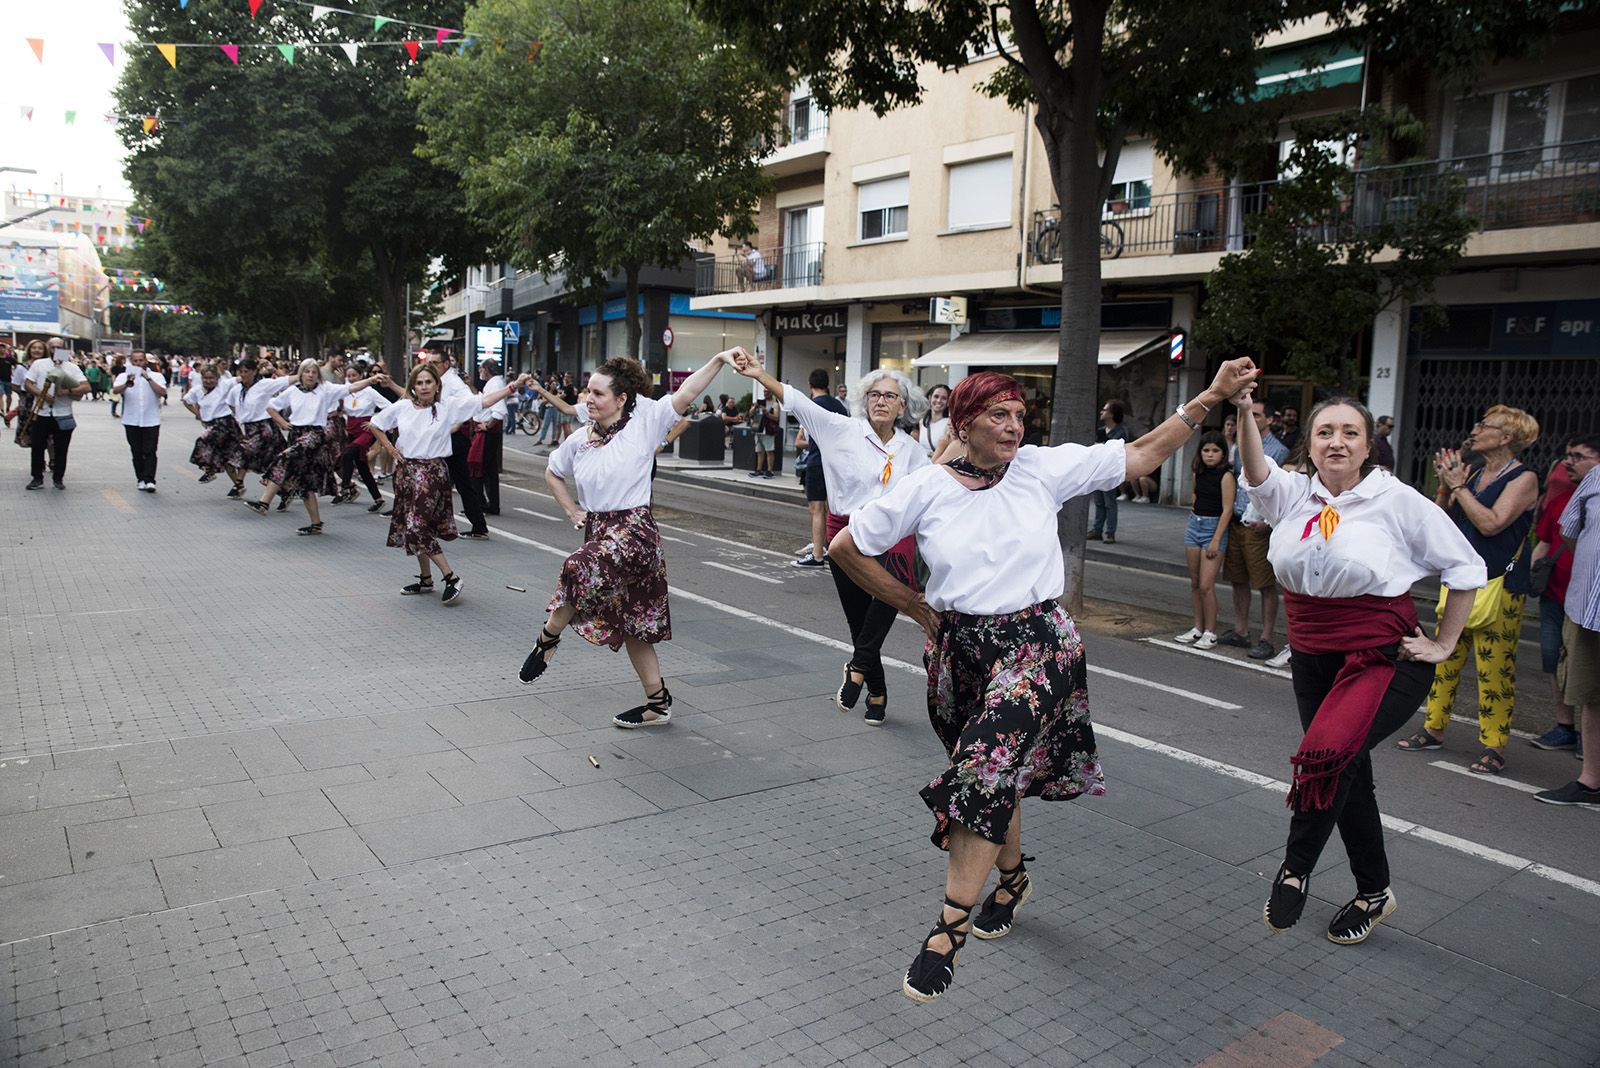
(217, 446)
(617, 583)
(302, 469)
(1009, 699)
(259, 446)
(424, 514)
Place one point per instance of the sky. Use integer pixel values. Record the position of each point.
(85, 158)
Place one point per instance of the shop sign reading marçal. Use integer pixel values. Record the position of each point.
(830, 320)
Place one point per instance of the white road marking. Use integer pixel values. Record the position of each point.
(1222, 658)
(742, 573)
(1190, 695)
(1393, 823)
(536, 515)
(726, 541)
(1493, 780)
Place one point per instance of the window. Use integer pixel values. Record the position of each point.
(1130, 186)
(1517, 131)
(883, 208)
(806, 120)
(980, 193)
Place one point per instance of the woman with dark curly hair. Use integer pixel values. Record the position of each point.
(613, 590)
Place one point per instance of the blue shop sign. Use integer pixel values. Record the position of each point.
(1530, 328)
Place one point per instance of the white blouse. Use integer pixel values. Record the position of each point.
(1388, 536)
(425, 432)
(310, 407)
(215, 404)
(250, 405)
(854, 458)
(364, 403)
(931, 435)
(616, 475)
(497, 410)
(994, 550)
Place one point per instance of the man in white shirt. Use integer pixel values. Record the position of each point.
(142, 391)
(56, 381)
(492, 426)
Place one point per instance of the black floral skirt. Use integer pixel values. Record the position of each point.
(302, 470)
(617, 583)
(424, 514)
(1008, 696)
(217, 446)
(259, 446)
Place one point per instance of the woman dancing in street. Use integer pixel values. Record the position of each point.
(302, 468)
(864, 455)
(1007, 680)
(358, 409)
(217, 447)
(423, 512)
(259, 439)
(613, 590)
(1348, 541)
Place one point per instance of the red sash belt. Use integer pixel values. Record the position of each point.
(899, 561)
(475, 450)
(1358, 627)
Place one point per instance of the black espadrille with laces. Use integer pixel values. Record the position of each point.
(1286, 902)
(995, 920)
(932, 972)
(1354, 922)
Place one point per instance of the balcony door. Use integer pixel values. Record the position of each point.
(802, 246)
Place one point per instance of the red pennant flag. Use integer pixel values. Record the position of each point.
(232, 52)
(412, 48)
(533, 51)
(441, 34)
(255, 6)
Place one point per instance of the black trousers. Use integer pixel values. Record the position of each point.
(142, 442)
(1355, 803)
(46, 433)
(352, 460)
(870, 621)
(489, 485)
(465, 484)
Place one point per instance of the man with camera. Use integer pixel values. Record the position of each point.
(53, 382)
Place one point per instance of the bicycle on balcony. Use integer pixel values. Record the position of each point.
(1047, 243)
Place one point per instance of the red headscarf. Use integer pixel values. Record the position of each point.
(975, 394)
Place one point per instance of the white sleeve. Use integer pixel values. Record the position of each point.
(461, 408)
(387, 418)
(119, 380)
(379, 401)
(1278, 495)
(658, 417)
(822, 426)
(193, 396)
(560, 462)
(581, 414)
(161, 380)
(1433, 539)
(282, 401)
(235, 394)
(1072, 470)
(881, 523)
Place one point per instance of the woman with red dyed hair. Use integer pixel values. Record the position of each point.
(1007, 680)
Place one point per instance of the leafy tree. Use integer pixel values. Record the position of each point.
(1180, 73)
(629, 129)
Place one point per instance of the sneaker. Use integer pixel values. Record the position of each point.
(1354, 922)
(1093, 535)
(1574, 793)
(1189, 636)
(1208, 640)
(58, 484)
(1284, 905)
(1233, 638)
(452, 589)
(1281, 660)
(1141, 500)
(477, 535)
(1561, 736)
(806, 551)
(37, 483)
(1109, 539)
(753, 474)
(808, 563)
(1123, 497)
(149, 487)
(1263, 650)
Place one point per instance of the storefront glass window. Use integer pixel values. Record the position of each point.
(896, 345)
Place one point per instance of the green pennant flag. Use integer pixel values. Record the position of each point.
(72, 116)
(288, 52)
(379, 22)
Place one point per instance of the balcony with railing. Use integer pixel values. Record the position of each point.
(768, 268)
(804, 136)
(1548, 185)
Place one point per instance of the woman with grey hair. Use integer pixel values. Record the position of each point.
(864, 455)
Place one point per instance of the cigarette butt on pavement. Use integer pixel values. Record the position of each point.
(517, 589)
(593, 761)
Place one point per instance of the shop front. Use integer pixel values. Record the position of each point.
(900, 347)
(805, 339)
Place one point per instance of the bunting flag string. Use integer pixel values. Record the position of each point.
(443, 38)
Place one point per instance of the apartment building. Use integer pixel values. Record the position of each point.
(873, 217)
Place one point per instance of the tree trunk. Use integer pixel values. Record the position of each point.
(635, 327)
(308, 334)
(392, 291)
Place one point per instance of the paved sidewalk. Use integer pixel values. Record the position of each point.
(256, 809)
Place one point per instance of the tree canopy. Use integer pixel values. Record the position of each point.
(595, 136)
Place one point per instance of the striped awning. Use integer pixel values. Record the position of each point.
(1302, 68)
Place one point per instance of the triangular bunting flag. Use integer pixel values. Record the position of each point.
(440, 34)
(379, 22)
(351, 50)
(412, 48)
(72, 117)
(465, 41)
(318, 11)
(111, 52)
(170, 52)
(255, 6)
(141, 225)
(183, 5)
(533, 50)
(27, 112)
(149, 123)
(232, 52)
(37, 44)
(288, 52)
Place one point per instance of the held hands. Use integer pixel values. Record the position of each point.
(1423, 648)
(1234, 376)
(745, 363)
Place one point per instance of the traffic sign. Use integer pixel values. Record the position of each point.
(667, 337)
(512, 330)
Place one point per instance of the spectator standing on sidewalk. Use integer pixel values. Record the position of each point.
(1205, 538)
(1494, 507)
(1581, 456)
(1580, 676)
(816, 477)
(1104, 524)
(763, 422)
(1245, 564)
(53, 382)
(143, 391)
(1382, 450)
(937, 422)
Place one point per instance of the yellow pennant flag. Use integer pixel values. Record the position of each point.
(170, 53)
(149, 123)
(1327, 521)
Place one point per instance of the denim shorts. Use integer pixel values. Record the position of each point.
(1551, 616)
(1200, 529)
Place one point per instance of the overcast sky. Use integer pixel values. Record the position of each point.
(85, 158)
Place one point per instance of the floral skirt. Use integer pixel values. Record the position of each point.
(259, 446)
(1008, 696)
(424, 514)
(302, 468)
(217, 446)
(617, 583)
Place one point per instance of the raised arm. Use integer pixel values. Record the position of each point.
(1251, 454)
(554, 399)
(492, 397)
(1147, 454)
(684, 398)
